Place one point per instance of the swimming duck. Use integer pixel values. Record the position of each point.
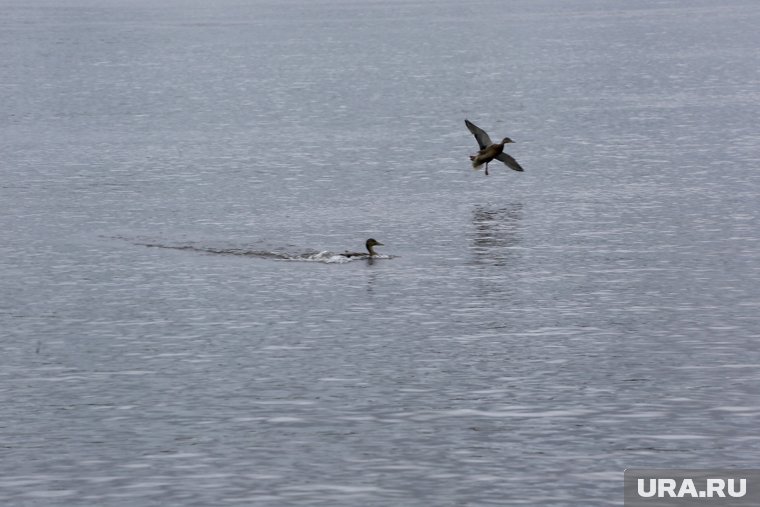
(371, 242)
(490, 150)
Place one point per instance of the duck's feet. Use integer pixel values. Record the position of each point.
(486, 169)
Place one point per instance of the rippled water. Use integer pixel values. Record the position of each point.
(523, 338)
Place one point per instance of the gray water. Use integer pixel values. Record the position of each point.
(178, 178)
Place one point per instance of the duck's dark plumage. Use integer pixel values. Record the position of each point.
(490, 150)
(369, 244)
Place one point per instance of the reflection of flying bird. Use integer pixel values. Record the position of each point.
(490, 150)
(369, 244)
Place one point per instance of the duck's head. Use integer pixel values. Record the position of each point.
(506, 140)
(371, 242)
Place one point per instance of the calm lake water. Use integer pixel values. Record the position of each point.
(525, 336)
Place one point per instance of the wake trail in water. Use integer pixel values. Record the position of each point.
(324, 256)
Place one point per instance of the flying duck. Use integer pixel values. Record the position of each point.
(490, 150)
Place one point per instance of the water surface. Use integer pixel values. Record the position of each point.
(527, 336)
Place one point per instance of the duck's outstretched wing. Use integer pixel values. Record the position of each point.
(480, 135)
(509, 161)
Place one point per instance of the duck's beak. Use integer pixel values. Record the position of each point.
(379, 244)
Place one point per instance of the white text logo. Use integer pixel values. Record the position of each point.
(686, 489)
